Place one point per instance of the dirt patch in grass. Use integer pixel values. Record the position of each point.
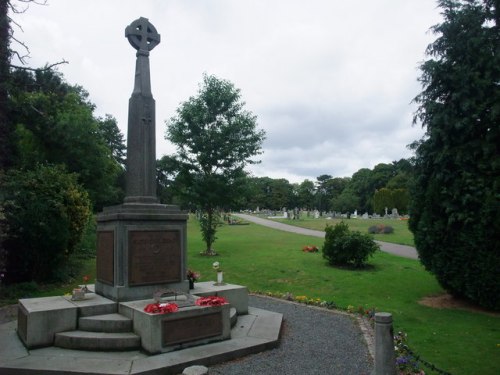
(447, 301)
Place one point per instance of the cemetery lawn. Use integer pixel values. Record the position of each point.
(267, 260)
(401, 235)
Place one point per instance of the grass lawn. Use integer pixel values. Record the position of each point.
(401, 235)
(264, 259)
(267, 260)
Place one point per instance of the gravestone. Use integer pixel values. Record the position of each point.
(141, 244)
(394, 213)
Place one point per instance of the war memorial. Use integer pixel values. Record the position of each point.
(140, 317)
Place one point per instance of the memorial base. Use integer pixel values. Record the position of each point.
(189, 326)
(140, 248)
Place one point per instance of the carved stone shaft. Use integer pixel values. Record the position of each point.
(141, 139)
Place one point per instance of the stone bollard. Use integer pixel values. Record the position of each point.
(385, 363)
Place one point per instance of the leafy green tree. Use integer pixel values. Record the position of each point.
(383, 199)
(306, 193)
(169, 188)
(215, 139)
(455, 204)
(54, 123)
(46, 212)
(361, 186)
(390, 198)
(281, 194)
(113, 138)
(347, 201)
(322, 200)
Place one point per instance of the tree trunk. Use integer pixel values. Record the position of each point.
(5, 126)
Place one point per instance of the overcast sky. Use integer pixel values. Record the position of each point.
(331, 81)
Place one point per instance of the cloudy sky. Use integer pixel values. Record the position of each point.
(331, 81)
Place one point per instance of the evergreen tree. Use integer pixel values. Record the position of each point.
(455, 205)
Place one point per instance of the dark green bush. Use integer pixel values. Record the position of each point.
(45, 214)
(380, 229)
(387, 229)
(345, 248)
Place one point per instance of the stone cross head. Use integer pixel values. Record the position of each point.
(142, 35)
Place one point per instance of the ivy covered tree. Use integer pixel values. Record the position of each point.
(215, 138)
(455, 203)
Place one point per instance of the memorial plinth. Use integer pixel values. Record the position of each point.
(140, 248)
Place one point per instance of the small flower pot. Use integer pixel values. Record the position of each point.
(191, 284)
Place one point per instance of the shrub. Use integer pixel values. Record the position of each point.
(380, 229)
(45, 214)
(387, 229)
(345, 248)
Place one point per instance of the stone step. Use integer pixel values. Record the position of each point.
(97, 341)
(105, 323)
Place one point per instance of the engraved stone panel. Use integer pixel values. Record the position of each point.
(105, 256)
(191, 329)
(154, 257)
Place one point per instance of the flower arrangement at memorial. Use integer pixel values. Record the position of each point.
(211, 301)
(161, 308)
(193, 275)
(86, 279)
(310, 249)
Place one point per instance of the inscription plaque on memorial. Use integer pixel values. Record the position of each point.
(105, 256)
(154, 257)
(191, 329)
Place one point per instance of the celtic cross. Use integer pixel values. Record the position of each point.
(142, 35)
(141, 152)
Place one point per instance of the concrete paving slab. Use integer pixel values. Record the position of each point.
(64, 365)
(266, 326)
(53, 351)
(10, 345)
(52, 360)
(94, 304)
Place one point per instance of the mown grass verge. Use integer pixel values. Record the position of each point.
(267, 260)
(401, 234)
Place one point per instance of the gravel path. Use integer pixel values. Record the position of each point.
(400, 250)
(313, 341)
